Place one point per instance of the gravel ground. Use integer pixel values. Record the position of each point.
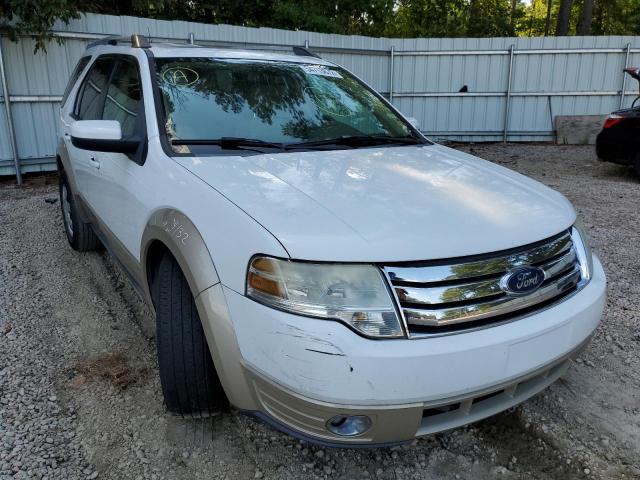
(80, 396)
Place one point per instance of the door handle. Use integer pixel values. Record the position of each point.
(94, 163)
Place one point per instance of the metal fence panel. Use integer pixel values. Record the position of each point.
(549, 77)
(5, 147)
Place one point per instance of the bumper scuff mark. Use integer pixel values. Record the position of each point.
(326, 353)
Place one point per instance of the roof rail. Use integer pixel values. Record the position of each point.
(140, 41)
(135, 40)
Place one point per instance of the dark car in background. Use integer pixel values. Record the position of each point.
(619, 140)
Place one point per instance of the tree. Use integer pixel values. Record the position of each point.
(547, 22)
(351, 17)
(455, 18)
(430, 18)
(616, 17)
(564, 14)
(489, 18)
(584, 24)
(395, 18)
(533, 21)
(36, 17)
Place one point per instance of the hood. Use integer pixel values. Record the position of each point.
(386, 204)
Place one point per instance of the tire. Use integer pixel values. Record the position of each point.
(190, 384)
(80, 235)
(636, 164)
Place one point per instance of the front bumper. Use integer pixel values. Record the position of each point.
(298, 372)
(394, 424)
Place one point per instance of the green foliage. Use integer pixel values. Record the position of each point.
(616, 17)
(533, 21)
(610, 17)
(395, 18)
(430, 18)
(355, 17)
(35, 17)
(490, 18)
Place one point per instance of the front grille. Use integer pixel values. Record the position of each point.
(446, 296)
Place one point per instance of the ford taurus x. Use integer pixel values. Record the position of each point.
(311, 258)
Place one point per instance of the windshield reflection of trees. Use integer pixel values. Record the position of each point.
(266, 90)
(269, 91)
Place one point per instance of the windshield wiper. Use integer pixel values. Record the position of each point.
(229, 143)
(241, 143)
(358, 141)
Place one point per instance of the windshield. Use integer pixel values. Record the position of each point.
(268, 101)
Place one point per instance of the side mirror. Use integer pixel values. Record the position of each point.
(414, 122)
(102, 136)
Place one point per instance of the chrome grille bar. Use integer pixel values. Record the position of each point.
(554, 267)
(430, 272)
(457, 293)
(494, 308)
(477, 290)
(443, 294)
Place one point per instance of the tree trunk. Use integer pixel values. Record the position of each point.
(562, 27)
(532, 18)
(514, 5)
(473, 6)
(584, 24)
(547, 22)
(471, 19)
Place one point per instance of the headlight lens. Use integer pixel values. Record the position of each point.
(583, 251)
(354, 294)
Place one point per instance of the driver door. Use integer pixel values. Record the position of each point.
(115, 187)
(88, 106)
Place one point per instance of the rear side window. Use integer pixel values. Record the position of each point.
(82, 63)
(90, 101)
(124, 96)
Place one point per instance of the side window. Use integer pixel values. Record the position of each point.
(89, 105)
(82, 63)
(124, 96)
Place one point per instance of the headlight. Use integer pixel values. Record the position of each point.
(583, 251)
(356, 295)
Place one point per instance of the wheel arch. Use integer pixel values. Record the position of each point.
(65, 171)
(63, 162)
(170, 230)
(165, 233)
(62, 158)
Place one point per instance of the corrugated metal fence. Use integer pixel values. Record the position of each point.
(514, 86)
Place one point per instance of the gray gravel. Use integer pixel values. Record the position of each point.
(61, 312)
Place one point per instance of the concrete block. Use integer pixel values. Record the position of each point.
(578, 129)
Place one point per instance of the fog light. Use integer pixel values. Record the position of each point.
(349, 425)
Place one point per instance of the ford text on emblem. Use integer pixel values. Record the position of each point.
(523, 280)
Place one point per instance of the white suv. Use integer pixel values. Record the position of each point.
(311, 258)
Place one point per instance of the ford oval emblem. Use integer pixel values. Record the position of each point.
(522, 280)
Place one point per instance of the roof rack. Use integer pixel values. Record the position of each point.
(140, 41)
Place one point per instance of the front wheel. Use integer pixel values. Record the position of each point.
(80, 234)
(190, 384)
